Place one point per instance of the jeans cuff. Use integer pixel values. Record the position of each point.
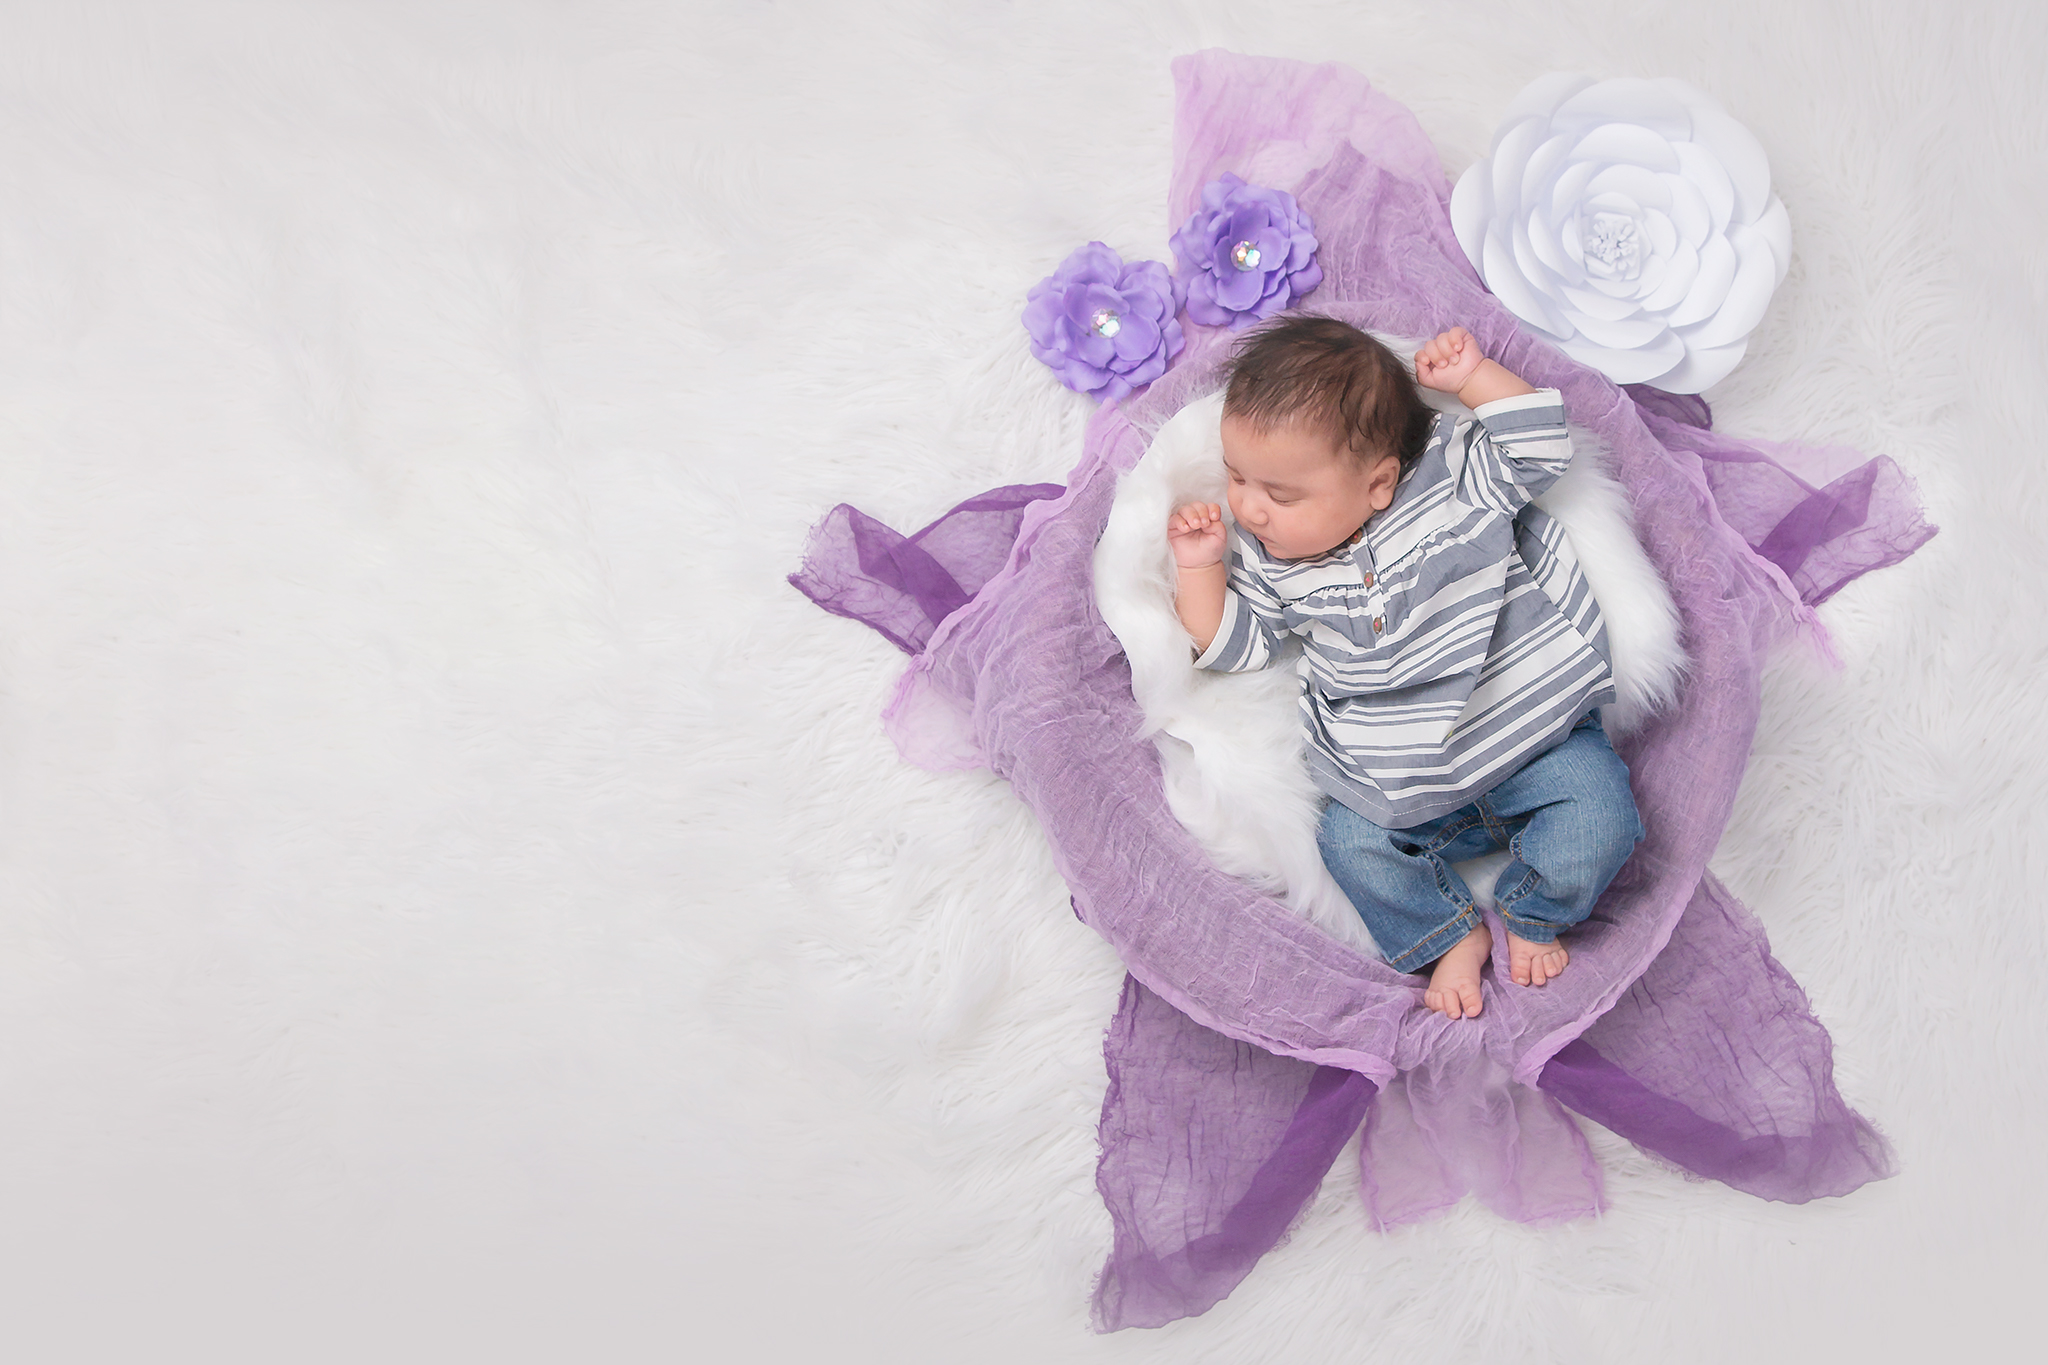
(1530, 930)
(1439, 942)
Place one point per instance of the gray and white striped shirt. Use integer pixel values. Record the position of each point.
(1454, 642)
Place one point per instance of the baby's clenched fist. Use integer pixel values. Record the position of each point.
(1196, 534)
(1449, 359)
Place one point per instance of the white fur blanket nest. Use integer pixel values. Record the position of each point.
(1231, 745)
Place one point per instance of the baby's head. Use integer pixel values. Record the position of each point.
(1319, 421)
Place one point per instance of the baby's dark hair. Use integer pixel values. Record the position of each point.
(1334, 377)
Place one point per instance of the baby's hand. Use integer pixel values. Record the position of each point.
(1196, 534)
(1445, 363)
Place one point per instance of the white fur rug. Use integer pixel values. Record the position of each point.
(457, 902)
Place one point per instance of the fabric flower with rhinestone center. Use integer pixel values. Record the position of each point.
(1247, 253)
(1632, 223)
(1104, 327)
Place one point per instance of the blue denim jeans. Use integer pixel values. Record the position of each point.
(1567, 816)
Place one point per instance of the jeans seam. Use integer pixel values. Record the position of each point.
(1445, 836)
(1524, 887)
(1497, 825)
(1523, 890)
(1465, 920)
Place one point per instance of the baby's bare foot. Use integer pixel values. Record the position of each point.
(1454, 981)
(1532, 964)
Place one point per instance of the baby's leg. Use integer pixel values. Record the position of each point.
(1416, 905)
(1578, 826)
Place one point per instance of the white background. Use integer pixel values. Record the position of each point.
(456, 900)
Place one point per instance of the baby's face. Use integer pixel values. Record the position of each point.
(1297, 491)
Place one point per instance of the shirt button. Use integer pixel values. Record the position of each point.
(1368, 580)
(1378, 624)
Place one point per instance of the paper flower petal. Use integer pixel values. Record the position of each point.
(1632, 222)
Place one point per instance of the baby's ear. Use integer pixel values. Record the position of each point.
(1380, 484)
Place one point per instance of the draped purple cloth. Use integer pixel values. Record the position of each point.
(902, 585)
(1249, 1046)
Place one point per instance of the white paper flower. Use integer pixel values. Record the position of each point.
(1630, 221)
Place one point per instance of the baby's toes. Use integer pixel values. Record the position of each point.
(1519, 968)
(1468, 996)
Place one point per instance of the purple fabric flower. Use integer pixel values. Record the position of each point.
(1247, 253)
(1104, 327)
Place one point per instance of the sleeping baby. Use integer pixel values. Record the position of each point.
(1452, 654)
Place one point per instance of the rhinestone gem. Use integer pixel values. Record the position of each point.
(1105, 323)
(1245, 256)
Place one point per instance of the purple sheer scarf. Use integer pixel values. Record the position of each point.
(903, 586)
(1821, 514)
(1249, 1045)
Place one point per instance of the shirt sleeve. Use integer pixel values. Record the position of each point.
(1515, 450)
(1253, 622)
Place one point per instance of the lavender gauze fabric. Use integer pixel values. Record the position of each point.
(1249, 1045)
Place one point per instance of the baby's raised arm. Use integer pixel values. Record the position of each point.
(1520, 443)
(1200, 544)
